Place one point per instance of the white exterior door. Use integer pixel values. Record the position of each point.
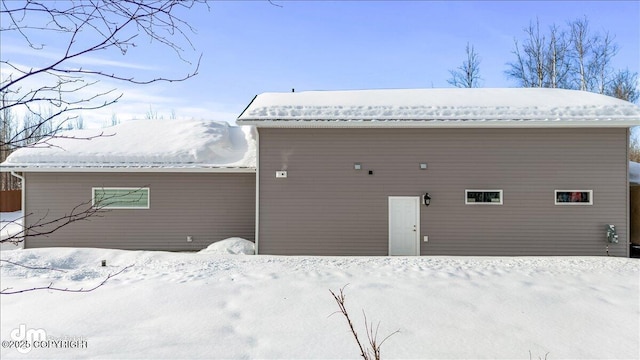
(404, 225)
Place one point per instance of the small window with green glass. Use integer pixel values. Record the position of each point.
(120, 198)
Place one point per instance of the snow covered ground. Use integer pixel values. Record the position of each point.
(10, 224)
(206, 305)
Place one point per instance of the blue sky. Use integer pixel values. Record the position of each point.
(250, 47)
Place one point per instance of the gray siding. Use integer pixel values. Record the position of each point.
(209, 207)
(325, 207)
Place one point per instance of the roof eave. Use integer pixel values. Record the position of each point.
(444, 123)
(123, 169)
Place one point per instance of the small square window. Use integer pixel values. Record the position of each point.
(483, 197)
(573, 197)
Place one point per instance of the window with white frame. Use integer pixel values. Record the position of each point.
(573, 197)
(120, 198)
(484, 197)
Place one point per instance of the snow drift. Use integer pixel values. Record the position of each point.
(233, 246)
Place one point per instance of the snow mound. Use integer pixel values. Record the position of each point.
(145, 143)
(440, 104)
(634, 172)
(233, 246)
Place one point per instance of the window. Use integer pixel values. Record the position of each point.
(574, 197)
(483, 197)
(120, 198)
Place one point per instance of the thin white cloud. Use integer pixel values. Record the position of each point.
(82, 60)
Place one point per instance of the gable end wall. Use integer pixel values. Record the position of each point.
(325, 207)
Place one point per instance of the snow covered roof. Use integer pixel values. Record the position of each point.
(144, 145)
(508, 107)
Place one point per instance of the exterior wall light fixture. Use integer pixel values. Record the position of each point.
(426, 199)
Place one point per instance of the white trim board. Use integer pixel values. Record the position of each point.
(122, 169)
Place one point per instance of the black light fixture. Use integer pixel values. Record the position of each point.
(426, 198)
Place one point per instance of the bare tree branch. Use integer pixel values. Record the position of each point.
(367, 353)
(52, 94)
(30, 267)
(46, 225)
(340, 300)
(8, 291)
(86, 27)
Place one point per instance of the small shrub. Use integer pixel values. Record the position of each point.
(372, 352)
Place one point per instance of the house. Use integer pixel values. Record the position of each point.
(442, 172)
(368, 172)
(168, 185)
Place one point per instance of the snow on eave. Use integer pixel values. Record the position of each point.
(122, 169)
(433, 107)
(441, 123)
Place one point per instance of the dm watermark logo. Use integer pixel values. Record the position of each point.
(24, 340)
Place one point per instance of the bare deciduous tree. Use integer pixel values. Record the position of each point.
(557, 62)
(529, 69)
(66, 33)
(114, 120)
(51, 94)
(624, 85)
(634, 146)
(8, 125)
(591, 54)
(467, 75)
(604, 51)
(85, 28)
(581, 44)
(573, 59)
(152, 114)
